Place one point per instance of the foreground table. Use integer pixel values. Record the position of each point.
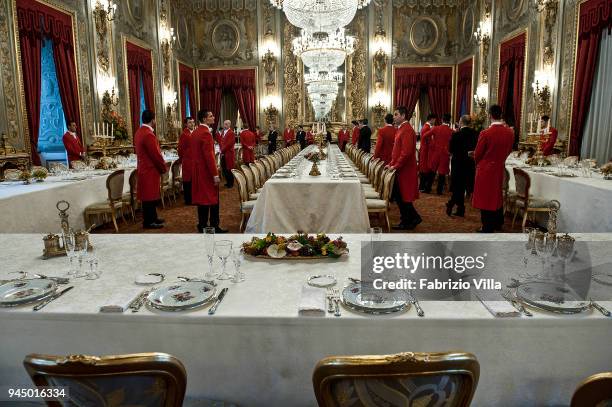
(256, 351)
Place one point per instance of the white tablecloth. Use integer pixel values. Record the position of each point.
(31, 208)
(586, 203)
(256, 351)
(310, 204)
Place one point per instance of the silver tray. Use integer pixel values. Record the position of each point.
(25, 291)
(351, 298)
(181, 296)
(551, 296)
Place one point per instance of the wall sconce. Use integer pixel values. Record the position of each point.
(481, 97)
(542, 91)
(483, 37)
(379, 108)
(271, 111)
(542, 5)
(105, 9)
(269, 65)
(167, 40)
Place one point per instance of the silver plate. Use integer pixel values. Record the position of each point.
(321, 281)
(351, 297)
(180, 296)
(26, 291)
(551, 296)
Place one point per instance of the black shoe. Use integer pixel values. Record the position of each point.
(414, 224)
(461, 214)
(219, 230)
(153, 226)
(401, 226)
(449, 209)
(160, 221)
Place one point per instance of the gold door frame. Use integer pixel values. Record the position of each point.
(195, 87)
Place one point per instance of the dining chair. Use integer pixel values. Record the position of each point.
(246, 204)
(130, 198)
(165, 187)
(525, 201)
(256, 175)
(250, 179)
(177, 179)
(398, 380)
(594, 391)
(143, 379)
(509, 196)
(381, 206)
(114, 203)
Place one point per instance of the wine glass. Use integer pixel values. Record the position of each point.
(545, 246)
(223, 249)
(238, 259)
(209, 249)
(530, 234)
(70, 247)
(82, 253)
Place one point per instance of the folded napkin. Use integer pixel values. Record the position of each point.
(499, 308)
(119, 300)
(312, 302)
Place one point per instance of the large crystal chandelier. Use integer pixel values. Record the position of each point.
(322, 51)
(320, 15)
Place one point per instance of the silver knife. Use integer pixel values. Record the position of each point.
(600, 308)
(53, 297)
(213, 309)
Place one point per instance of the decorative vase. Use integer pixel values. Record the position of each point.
(314, 171)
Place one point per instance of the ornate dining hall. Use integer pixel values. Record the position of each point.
(335, 203)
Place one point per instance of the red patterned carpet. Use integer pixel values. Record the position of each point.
(182, 219)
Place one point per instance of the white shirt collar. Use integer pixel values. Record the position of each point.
(497, 123)
(146, 125)
(402, 123)
(207, 126)
(73, 134)
(387, 124)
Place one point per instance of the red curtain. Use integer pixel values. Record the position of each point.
(186, 81)
(595, 16)
(140, 67)
(512, 65)
(35, 21)
(240, 81)
(464, 86)
(438, 81)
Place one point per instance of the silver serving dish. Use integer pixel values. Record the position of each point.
(181, 296)
(351, 298)
(551, 296)
(25, 291)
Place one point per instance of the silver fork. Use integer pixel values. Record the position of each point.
(511, 298)
(336, 299)
(330, 300)
(416, 304)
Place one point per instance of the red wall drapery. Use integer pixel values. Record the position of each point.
(139, 65)
(35, 21)
(464, 86)
(512, 64)
(595, 16)
(186, 81)
(240, 81)
(438, 81)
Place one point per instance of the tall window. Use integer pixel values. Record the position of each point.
(143, 102)
(187, 102)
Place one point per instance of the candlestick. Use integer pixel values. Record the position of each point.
(539, 126)
(113, 131)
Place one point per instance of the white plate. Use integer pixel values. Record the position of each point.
(182, 295)
(551, 296)
(20, 292)
(351, 296)
(321, 281)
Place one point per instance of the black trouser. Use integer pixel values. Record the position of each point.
(427, 179)
(408, 213)
(458, 186)
(187, 192)
(492, 220)
(271, 148)
(227, 173)
(149, 212)
(204, 211)
(441, 182)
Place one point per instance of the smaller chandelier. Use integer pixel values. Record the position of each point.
(317, 76)
(323, 51)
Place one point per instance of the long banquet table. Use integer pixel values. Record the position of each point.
(586, 203)
(310, 204)
(257, 351)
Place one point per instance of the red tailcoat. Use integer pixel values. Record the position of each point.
(247, 140)
(384, 143)
(289, 135)
(342, 136)
(185, 154)
(547, 147)
(309, 138)
(404, 161)
(355, 135)
(203, 188)
(258, 136)
(73, 146)
(227, 144)
(425, 148)
(439, 156)
(493, 148)
(150, 164)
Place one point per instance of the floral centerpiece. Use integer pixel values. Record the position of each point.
(117, 123)
(300, 245)
(25, 176)
(313, 156)
(606, 170)
(39, 173)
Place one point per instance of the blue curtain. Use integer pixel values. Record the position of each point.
(143, 103)
(187, 103)
(463, 107)
(52, 118)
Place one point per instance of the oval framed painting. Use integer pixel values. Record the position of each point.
(424, 35)
(225, 38)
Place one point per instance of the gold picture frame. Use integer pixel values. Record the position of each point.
(420, 48)
(225, 47)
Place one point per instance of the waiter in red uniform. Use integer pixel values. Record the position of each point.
(426, 175)
(248, 142)
(288, 136)
(549, 142)
(227, 141)
(73, 144)
(342, 137)
(385, 140)
(406, 188)
(493, 148)
(355, 133)
(185, 157)
(439, 155)
(309, 137)
(205, 180)
(150, 167)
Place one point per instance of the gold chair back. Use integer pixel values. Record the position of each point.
(250, 178)
(594, 391)
(522, 183)
(263, 172)
(114, 185)
(175, 169)
(256, 175)
(388, 179)
(242, 185)
(146, 379)
(404, 379)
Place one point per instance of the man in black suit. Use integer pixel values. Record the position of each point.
(328, 137)
(462, 166)
(301, 137)
(272, 137)
(365, 136)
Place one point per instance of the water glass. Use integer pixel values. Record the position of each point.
(223, 249)
(209, 249)
(82, 255)
(94, 272)
(238, 259)
(545, 246)
(70, 247)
